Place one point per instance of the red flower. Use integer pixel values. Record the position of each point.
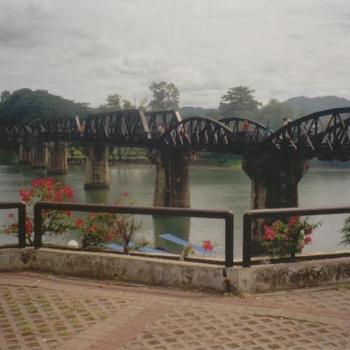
(92, 229)
(29, 226)
(293, 220)
(207, 246)
(307, 240)
(43, 182)
(125, 194)
(67, 213)
(25, 195)
(68, 192)
(79, 223)
(269, 233)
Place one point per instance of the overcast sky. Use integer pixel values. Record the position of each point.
(87, 49)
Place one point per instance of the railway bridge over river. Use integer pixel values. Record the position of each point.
(275, 161)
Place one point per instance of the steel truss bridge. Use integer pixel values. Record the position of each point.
(324, 135)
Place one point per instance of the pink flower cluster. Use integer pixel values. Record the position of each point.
(288, 236)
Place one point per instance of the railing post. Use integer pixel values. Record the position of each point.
(22, 225)
(37, 226)
(229, 240)
(247, 240)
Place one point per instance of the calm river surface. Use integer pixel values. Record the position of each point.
(211, 188)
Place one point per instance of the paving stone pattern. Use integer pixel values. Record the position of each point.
(39, 311)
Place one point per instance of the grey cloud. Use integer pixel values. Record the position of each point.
(13, 37)
(86, 50)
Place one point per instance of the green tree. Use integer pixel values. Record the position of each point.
(274, 112)
(239, 101)
(26, 106)
(5, 95)
(166, 96)
(127, 104)
(115, 102)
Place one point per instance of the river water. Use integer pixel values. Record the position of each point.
(211, 188)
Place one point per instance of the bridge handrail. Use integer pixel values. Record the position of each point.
(310, 116)
(250, 121)
(159, 211)
(276, 214)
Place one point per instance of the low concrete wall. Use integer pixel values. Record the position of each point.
(130, 268)
(272, 277)
(255, 279)
(16, 259)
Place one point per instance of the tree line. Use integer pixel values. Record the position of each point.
(26, 106)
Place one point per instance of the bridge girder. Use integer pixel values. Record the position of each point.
(324, 134)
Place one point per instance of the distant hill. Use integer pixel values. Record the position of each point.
(189, 111)
(305, 105)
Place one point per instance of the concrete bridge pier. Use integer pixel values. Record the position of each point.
(96, 167)
(274, 180)
(40, 156)
(58, 153)
(25, 155)
(172, 187)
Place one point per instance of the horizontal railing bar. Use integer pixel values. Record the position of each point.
(102, 208)
(161, 211)
(12, 205)
(259, 213)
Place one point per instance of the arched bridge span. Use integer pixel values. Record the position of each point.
(324, 134)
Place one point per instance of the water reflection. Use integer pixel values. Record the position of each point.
(97, 196)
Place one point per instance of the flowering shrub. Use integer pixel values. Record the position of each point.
(97, 229)
(208, 246)
(288, 237)
(46, 189)
(346, 232)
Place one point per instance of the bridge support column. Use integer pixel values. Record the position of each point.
(172, 187)
(57, 164)
(39, 159)
(96, 167)
(25, 153)
(275, 181)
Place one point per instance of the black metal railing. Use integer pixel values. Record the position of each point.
(176, 212)
(276, 214)
(21, 209)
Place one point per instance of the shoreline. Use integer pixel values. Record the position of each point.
(218, 167)
(145, 164)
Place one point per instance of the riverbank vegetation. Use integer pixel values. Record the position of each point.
(26, 106)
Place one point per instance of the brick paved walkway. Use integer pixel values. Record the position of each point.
(40, 311)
